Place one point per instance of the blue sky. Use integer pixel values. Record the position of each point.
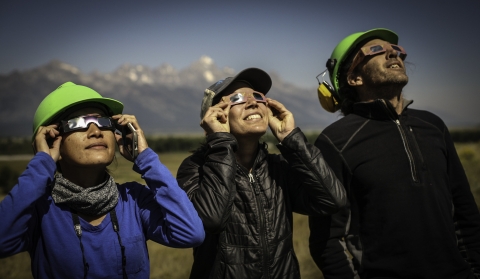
(292, 38)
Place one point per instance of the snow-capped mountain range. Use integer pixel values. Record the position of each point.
(164, 99)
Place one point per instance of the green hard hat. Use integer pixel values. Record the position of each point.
(66, 96)
(348, 44)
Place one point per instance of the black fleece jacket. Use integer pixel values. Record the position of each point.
(248, 216)
(411, 213)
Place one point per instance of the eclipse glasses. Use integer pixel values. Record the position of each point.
(82, 122)
(374, 50)
(129, 134)
(239, 97)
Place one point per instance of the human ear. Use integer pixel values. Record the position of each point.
(354, 80)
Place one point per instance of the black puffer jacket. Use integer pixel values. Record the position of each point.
(248, 216)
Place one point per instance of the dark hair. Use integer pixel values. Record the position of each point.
(348, 93)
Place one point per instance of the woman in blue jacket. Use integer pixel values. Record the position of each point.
(69, 213)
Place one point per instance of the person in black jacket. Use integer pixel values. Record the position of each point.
(410, 212)
(245, 196)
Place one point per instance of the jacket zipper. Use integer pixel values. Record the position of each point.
(411, 160)
(408, 151)
(416, 145)
(263, 241)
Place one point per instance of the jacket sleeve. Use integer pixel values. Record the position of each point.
(327, 233)
(168, 215)
(18, 217)
(466, 213)
(208, 177)
(313, 186)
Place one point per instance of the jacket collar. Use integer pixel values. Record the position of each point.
(262, 153)
(379, 109)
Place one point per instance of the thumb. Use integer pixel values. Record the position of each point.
(272, 120)
(55, 151)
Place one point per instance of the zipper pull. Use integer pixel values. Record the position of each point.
(252, 181)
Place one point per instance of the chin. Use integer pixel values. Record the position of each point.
(251, 133)
(258, 133)
(400, 78)
(101, 160)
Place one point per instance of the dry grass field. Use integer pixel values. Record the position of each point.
(175, 263)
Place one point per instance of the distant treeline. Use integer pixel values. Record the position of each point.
(15, 146)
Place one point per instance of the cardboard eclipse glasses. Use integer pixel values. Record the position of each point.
(82, 122)
(129, 134)
(240, 97)
(374, 50)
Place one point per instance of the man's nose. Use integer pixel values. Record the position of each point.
(391, 52)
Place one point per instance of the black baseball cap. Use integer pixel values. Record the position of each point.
(258, 79)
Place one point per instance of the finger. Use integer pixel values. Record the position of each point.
(221, 105)
(117, 116)
(131, 119)
(278, 109)
(40, 143)
(45, 132)
(227, 109)
(53, 132)
(124, 119)
(276, 104)
(216, 113)
(118, 138)
(223, 114)
(270, 110)
(214, 110)
(57, 142)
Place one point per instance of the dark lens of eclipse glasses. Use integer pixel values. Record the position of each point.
(238, 97)
(242, 97)
(83, 122)
(376, 48)
(396, 48)
(258, 96)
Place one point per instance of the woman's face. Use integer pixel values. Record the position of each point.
(91, 147)
(248, 119)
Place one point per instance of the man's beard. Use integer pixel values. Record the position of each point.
(384, 84)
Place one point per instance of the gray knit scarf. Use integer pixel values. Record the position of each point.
(93, 201)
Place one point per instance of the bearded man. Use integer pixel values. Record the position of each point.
(410, 212)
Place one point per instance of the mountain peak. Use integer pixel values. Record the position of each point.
(206, 60)
(57, 64)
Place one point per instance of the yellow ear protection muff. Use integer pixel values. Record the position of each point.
(326, 95)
